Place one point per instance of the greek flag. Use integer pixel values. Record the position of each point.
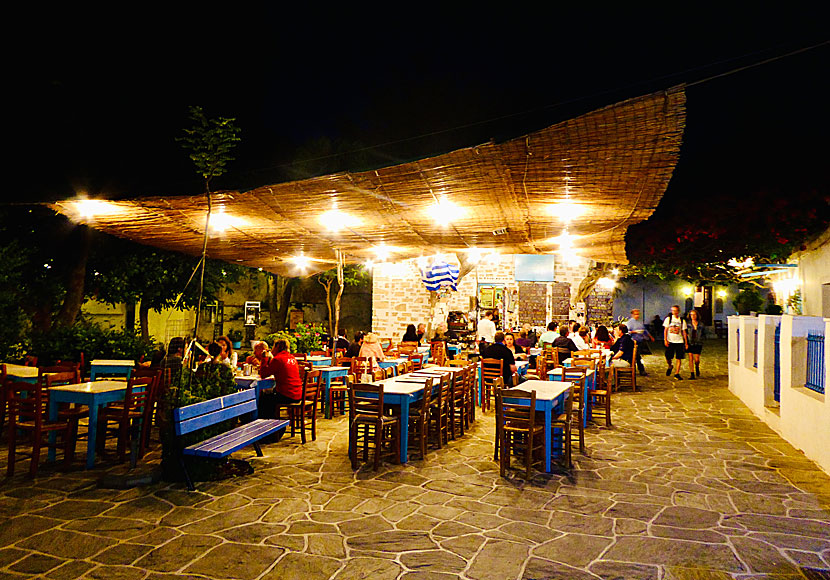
(440, 274)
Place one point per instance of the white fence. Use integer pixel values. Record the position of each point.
(768, 371)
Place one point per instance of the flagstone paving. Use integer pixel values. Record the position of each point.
(687, 484)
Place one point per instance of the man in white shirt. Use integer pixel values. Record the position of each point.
(574, 336)
(549, 335)
(674, 337)
(486, 330)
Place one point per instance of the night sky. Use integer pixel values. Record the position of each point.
(97, 106)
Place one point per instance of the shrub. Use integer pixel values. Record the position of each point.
(282, 335)
(67, 343)
(309, 337)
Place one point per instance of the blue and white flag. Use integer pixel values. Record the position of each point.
(440, 274)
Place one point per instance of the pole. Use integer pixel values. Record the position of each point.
(201, 279)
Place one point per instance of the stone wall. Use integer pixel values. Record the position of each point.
(400, 298)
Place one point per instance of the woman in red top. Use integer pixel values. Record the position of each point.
(288, 388)
(602, 339)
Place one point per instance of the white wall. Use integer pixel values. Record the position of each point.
(814, 272)
(803, 417)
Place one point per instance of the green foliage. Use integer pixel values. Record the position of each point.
(67, 343)
(773, 308)
(235, 335)
(309, 337)
(282, 335)
(186, 388)
(794, 302)
(748, 300)
(210, 142)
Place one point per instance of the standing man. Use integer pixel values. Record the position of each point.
(674, 336)
(640, 334)
(486, 331)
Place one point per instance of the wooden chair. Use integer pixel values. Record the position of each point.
(59, 375)
(471, 384)
(306, 407)
(419, 412)
(343, 361)
(441, 410)
(626, 376)
(319, 353)
(407, 366)
(368, 424)
(517, 429)
(27, 413)
(601, 394)
(458, 419)
(298, 356)
(386, 344)
(438, 352)
(338, 395)
(130, 416)
(491, 369)
(576, 375)
(564, 422)
(405, 348)
(400, 369)
(417, 361)
(361, 366)
(156, 373)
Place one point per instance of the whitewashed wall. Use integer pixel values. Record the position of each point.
(399, 297)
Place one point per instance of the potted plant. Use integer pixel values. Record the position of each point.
(236, 338)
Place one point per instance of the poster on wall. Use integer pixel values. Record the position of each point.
(295, 317)
(485, 297)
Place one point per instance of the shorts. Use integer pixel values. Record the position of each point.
(675, 350)
(695, 348)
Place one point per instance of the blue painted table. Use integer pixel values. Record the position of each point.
(550, 398)
(327, 374)
(319, 361)
(92, 394)
(22, 373)
(121, 368)
(256, 383)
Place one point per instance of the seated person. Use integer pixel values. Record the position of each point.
(581, 339)
(341, 342)
(422, 328)
(623, 348)
(500, 351)
(524, 339)
(563, 344)
(411, 335)
(510, 343)
(259, 356)
(354, 348)
(371, 348)
(550, 335)
(214, 366)
(288, 388)
(441, 333)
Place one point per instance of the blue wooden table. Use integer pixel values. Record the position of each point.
(256, 383)
(319, 361)
(22, 374)
(327, 374)
(550, 398)
(93, 395)
(121, 368)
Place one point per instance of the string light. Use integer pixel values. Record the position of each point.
(335, 220)
(444, 211)
(220, 221)
(89, 208)
(301, 262)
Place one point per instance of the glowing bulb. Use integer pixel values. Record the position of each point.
(444, 211)
(89, 208)
(369, 264)
(606, 283)
(220, 221)
(722, 293)
(301, 262)
(566, 211)
(382, 252)
(688, 291)
(335, 220)
(615, 272)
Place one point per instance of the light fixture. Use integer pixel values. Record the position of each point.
(444, 211)
(615, 272)
(382, 252)
(746, 263)
(369, 264)
(722, 293)
(474, 255)
(89, 208)
(688, 291)
(301, 262)
(566, 210)
(606, 283)
(335, 220)
(220, 221)
(565, 241)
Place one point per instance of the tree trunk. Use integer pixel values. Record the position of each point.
(285, 302)
(74, 298)
(327, 285)
(129, 316)
(340, 284)
(433, 302)
(271, 300)
(144, 319)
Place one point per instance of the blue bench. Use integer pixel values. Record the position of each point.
(200, 415)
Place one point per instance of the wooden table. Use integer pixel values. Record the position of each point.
(319, 360)
(111, 367)
(22, 373)
(403, 391)
(550, 396)
(327, 374)
(94, 395)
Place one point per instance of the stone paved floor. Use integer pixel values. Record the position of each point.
(687, 480)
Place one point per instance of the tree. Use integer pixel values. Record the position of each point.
(154, 279)
(210, 142)
(344, 275)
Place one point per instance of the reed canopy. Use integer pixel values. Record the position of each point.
(572, 187)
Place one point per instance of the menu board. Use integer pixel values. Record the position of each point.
(532, 302)
(561, 301)
(600, 305)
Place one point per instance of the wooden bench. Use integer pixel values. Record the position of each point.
(200, 415)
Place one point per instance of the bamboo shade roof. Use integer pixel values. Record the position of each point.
(615, 163)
